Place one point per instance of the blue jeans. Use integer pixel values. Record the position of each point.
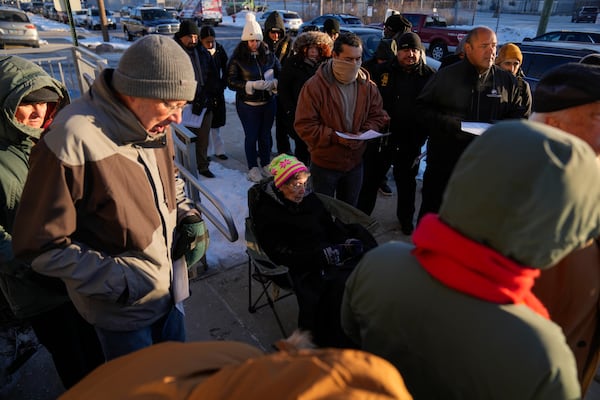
(344, 186)
(257, 122)
(169, 327)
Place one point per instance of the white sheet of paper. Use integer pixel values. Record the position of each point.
(190, 119)
(370, 134)
(474, 128)
(181, 283)
(269, 75)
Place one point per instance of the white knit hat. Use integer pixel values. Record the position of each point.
(252, 30)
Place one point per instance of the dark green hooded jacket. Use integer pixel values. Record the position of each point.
(27, 292)
(531, 193)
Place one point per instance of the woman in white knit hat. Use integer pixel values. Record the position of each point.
(252, 73)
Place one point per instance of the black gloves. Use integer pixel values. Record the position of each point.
(339, 253)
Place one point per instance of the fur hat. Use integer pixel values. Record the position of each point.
(283, 167)
(252, 30)
(155, 67)
(568, 85)
(187, 27)
(331, 25)
(314, 38)
(509, 52)
(409, 40)
(397, 23)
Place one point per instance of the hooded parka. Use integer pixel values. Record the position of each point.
(27, 292)
(529, 193)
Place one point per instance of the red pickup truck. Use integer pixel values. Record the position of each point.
(434, 33)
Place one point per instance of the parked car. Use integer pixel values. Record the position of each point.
(92, 20)
(371, 36)
(79, 17)
(173, 11)
(567, 36)
(291, 20)
(437, 37)
(149, 20)
(233, 7)
(343, 19)
(539, 57)
(17, 28)
(585, 14)
(37, 7)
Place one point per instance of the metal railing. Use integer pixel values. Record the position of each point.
(78, 71)
(185, 160)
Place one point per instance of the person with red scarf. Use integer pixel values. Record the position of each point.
(455, 311)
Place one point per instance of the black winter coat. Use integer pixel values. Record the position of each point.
(220, 62)
(294, 73)
(458, 93)
(296, 234)
(244, 68)
(399, 89)
(206, 75)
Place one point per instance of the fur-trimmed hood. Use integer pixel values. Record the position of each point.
(320, 39)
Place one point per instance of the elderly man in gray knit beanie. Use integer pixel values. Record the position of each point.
(102, 209)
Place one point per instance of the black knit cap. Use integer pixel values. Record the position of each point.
(187, 27)
(397, 23)
(331, 25)
(43, 95)
(568, 85)
(207, 31)
(409, 40)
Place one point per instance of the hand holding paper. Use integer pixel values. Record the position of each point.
(370, 134)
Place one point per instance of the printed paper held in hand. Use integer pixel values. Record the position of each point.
(474, 128)
(180, 284)
(370, 134)
(188, 118)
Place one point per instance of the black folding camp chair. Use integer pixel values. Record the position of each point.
(276, 278)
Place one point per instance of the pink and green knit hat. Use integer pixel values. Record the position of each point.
(283, 167)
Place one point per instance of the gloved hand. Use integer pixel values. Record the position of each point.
(262, 85)
(191, 241)
(339, 253)
(197, 107)
(334, 254)
(271, 85)
(353, 247)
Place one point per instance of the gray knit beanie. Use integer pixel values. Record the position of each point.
(155, 67)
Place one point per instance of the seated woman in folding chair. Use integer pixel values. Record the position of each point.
(294, 229)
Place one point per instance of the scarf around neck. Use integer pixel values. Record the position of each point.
(472, 268)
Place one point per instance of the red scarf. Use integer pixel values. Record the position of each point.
(472, 268)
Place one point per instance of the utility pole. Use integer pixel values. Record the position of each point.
(544, 17)
(103, 22)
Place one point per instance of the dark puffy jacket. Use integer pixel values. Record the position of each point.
(244, 67)
(399, 89)
(296, 70)
(459, 93)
